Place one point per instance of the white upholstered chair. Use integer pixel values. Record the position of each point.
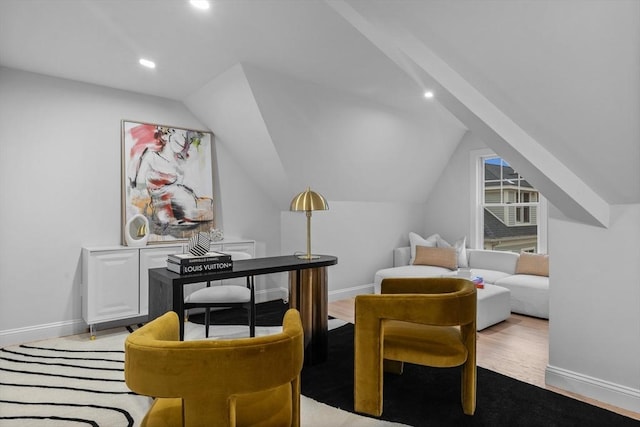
(225, 296)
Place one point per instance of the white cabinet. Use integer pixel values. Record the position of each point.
(152, 257)
(109, 275)
(115, 279)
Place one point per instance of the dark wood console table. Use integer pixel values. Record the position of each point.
(307, 293)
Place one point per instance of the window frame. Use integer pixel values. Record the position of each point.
(476, 238)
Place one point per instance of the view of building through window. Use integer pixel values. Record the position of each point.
(510, 208)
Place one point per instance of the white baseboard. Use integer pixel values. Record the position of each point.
(78, 326)
(272, 294)
(41, 332)
(595, 388)
(283, 293)
(344, 293)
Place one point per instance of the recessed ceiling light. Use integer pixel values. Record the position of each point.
(428, 94)
(147, 63)
(200, 4)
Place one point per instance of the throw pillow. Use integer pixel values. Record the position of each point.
(461, 249)
(438, 257)
(536, 264)
(416, 239)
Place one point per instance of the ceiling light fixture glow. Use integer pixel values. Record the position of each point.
(147, 63)
(200, 4)
(428, 94)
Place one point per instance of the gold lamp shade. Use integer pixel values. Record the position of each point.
(308, 201)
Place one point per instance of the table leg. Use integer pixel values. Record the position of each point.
(178, 306)
(163, 297)
(308, 294)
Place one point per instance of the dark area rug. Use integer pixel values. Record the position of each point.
(424, 396)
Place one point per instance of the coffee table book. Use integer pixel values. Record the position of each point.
(199, 267)
(185, 259)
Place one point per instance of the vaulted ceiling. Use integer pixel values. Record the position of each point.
(552, 86)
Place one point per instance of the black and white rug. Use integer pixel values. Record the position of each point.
(74, 381)
(69, 381)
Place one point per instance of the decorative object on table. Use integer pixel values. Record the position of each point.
(185, 259)
(136, 231)
(199, 244)
(216, 235)
(308, 201)
(199, 259)
(166, 176)
(208, 263)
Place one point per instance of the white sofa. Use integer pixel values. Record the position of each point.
(529, 294)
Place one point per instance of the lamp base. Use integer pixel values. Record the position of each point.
(305, 256)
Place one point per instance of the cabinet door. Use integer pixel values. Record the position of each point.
(152, 258)
(112, 285)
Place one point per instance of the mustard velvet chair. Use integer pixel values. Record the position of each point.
(234, 382)
(425, 321)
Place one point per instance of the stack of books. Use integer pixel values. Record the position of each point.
(479, 281)
(198, 264)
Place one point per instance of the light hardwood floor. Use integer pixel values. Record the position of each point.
(517, 347)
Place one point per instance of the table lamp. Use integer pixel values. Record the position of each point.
(308, 201)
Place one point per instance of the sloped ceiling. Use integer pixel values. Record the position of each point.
(567, 74)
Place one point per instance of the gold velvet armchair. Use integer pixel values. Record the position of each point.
(235, 382)
(425, 321)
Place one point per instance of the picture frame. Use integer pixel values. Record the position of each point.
(166, 177)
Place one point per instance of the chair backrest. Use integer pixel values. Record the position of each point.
(442, 300)
(209, 374)
(237, 255)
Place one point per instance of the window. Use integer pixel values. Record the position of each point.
(508, 213)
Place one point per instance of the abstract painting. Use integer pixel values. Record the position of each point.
(167, 177)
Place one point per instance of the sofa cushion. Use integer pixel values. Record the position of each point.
(461, 249)
(529, 294)
(437, 257)
(493, 260)
(416, 239)
(401, 256)
(409, 271)
(535, 264)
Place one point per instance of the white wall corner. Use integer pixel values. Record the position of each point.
(555, 180)
(551, 177)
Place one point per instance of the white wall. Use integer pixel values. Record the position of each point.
(448, 208)
(361, 234)
(60, 173)
(60, 156)
(594, 333)
(350, 148)
(594, 328)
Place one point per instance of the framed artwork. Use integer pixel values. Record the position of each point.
(166, 177)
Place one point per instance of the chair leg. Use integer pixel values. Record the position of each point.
(468, 388)
(207, 318)
(252, 309)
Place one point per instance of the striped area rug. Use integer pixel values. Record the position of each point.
(69, 381)
(74, 381)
